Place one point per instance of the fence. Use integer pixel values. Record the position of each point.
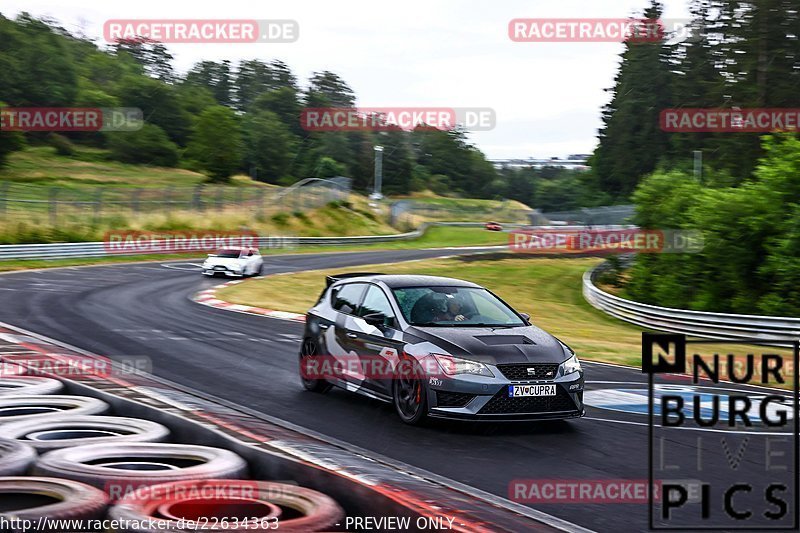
(91, 203)
(405, 211)
(594, 216)
(771, 329)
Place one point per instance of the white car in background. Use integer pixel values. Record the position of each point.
(234, 262)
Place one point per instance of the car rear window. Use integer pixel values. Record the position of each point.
(347, 298)
(228, 253)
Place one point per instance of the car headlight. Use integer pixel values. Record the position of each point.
(571, 365)
(455, 365)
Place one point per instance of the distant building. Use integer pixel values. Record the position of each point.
(576, 162)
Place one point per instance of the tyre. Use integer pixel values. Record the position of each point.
(11, 386)
(409, 393)
(296, 508)
(15, 457)
(29, 407)
(120, 468)
(30, 498)
(54, 433)
(307, 350)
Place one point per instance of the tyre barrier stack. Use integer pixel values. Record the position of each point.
(64, 457)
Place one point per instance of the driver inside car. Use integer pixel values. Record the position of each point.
(453, 310)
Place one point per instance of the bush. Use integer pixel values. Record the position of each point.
(9, 142)
(299, 215)
(147, 146)
(280, 219)
(62, 145)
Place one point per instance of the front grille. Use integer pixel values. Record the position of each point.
(519, 372)
(452, 399)
(502, 404)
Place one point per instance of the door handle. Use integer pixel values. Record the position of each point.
(352, 335)
(324, 326)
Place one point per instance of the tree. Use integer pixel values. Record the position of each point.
(216, 77)
(194, 99)
(631, 141)
(269, 146)
(153, 56)
(331, 89)
(216, 143)
(698, 81)
(148, 146)
(159, 103)
(285, 104)
(28, 80)
(328, 167)
(397, 162)
(254, 78)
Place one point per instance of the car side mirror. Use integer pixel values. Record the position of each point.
(374, 319)
(526, 316)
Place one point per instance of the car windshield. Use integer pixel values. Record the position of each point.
(228, 254)
(454, 307)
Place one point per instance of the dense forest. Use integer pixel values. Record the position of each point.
(221, 119)
(745, 201)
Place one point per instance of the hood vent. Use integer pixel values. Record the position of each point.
(502, 340)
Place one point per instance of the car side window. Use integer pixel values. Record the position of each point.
(376, 302)
(346, 299)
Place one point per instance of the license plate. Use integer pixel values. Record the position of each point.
(519, 391)
(219, 268)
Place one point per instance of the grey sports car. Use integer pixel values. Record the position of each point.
(437, 347)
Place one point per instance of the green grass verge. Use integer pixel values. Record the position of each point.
(436, 237)
(550, 289)
(40, 165)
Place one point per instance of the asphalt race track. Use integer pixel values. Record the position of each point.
(145, 310)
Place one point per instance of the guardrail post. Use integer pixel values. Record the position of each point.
(168, 200)
(219, 199)
(197, 199)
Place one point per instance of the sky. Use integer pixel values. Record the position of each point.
(418, 53)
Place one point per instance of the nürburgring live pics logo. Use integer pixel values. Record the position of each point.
(734, 440)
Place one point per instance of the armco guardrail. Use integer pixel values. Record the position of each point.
(770, 329)
(99, 249)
